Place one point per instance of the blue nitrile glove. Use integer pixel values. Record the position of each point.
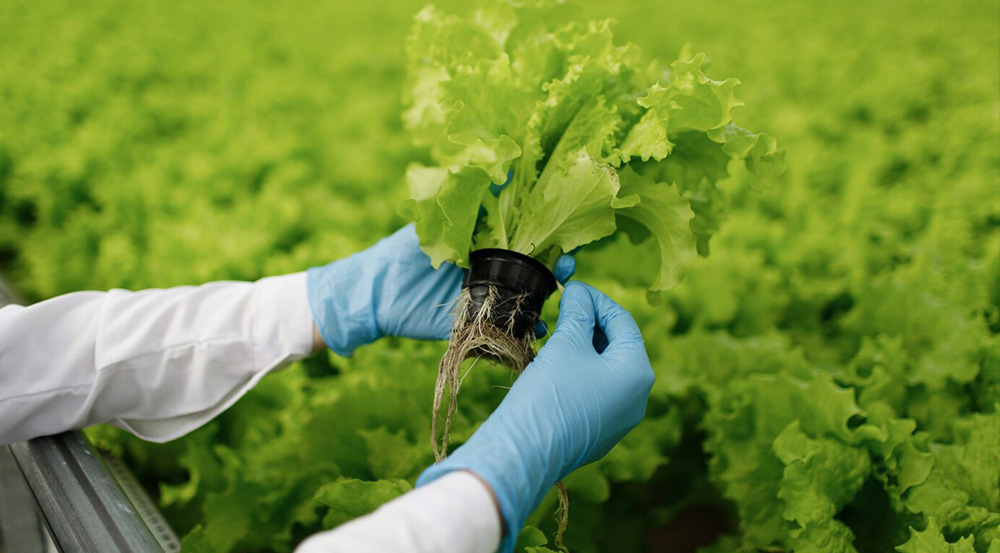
(569, 407)
(390, 289)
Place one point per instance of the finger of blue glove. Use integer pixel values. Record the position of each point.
(621, 331)
(541, 329)
(576, 316)
(565, 267)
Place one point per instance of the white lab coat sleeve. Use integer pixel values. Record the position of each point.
(161, 363)
(453, 514)
(158, 363)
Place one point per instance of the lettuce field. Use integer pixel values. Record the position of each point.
(828, 379)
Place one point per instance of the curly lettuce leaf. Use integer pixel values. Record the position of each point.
(349, 498)
(661, 209)
(820, 477)
(793, 461)
(570, 207)
(444, 207)
(690, 102)
(931, 540)
(962, 491)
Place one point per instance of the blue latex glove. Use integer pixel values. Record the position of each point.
(586, 389)
(390, 289)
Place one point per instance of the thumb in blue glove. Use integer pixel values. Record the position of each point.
(569, 407)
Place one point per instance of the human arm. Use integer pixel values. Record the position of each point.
(161, 363)
(586, 389)
(158, 363)
(187, 340)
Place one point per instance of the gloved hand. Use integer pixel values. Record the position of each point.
(586, 389)
(390, 289)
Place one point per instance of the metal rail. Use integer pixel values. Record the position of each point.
(21, 529)
(79, 501)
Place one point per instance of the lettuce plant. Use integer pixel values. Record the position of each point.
(545, 135)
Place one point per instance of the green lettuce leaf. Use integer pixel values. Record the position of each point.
(661, 209)
(820, 477)
(962, 491)
(931, 540)
(391, 455)
(444, 208)
(570, 207)
(350, 498)
(793, 461)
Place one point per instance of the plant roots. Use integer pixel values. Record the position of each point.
(562, 516)
(477, 335)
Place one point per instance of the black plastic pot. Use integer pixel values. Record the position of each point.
(514, 276)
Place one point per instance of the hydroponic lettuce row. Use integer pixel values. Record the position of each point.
(546, 135)
(181, 142)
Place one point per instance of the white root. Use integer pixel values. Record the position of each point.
(475, 336)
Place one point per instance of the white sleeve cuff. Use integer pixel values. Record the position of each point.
(284, 324)
(455, 513)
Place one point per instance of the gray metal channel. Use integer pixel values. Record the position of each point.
(22, 530)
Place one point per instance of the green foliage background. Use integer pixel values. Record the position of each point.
(827, 379)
